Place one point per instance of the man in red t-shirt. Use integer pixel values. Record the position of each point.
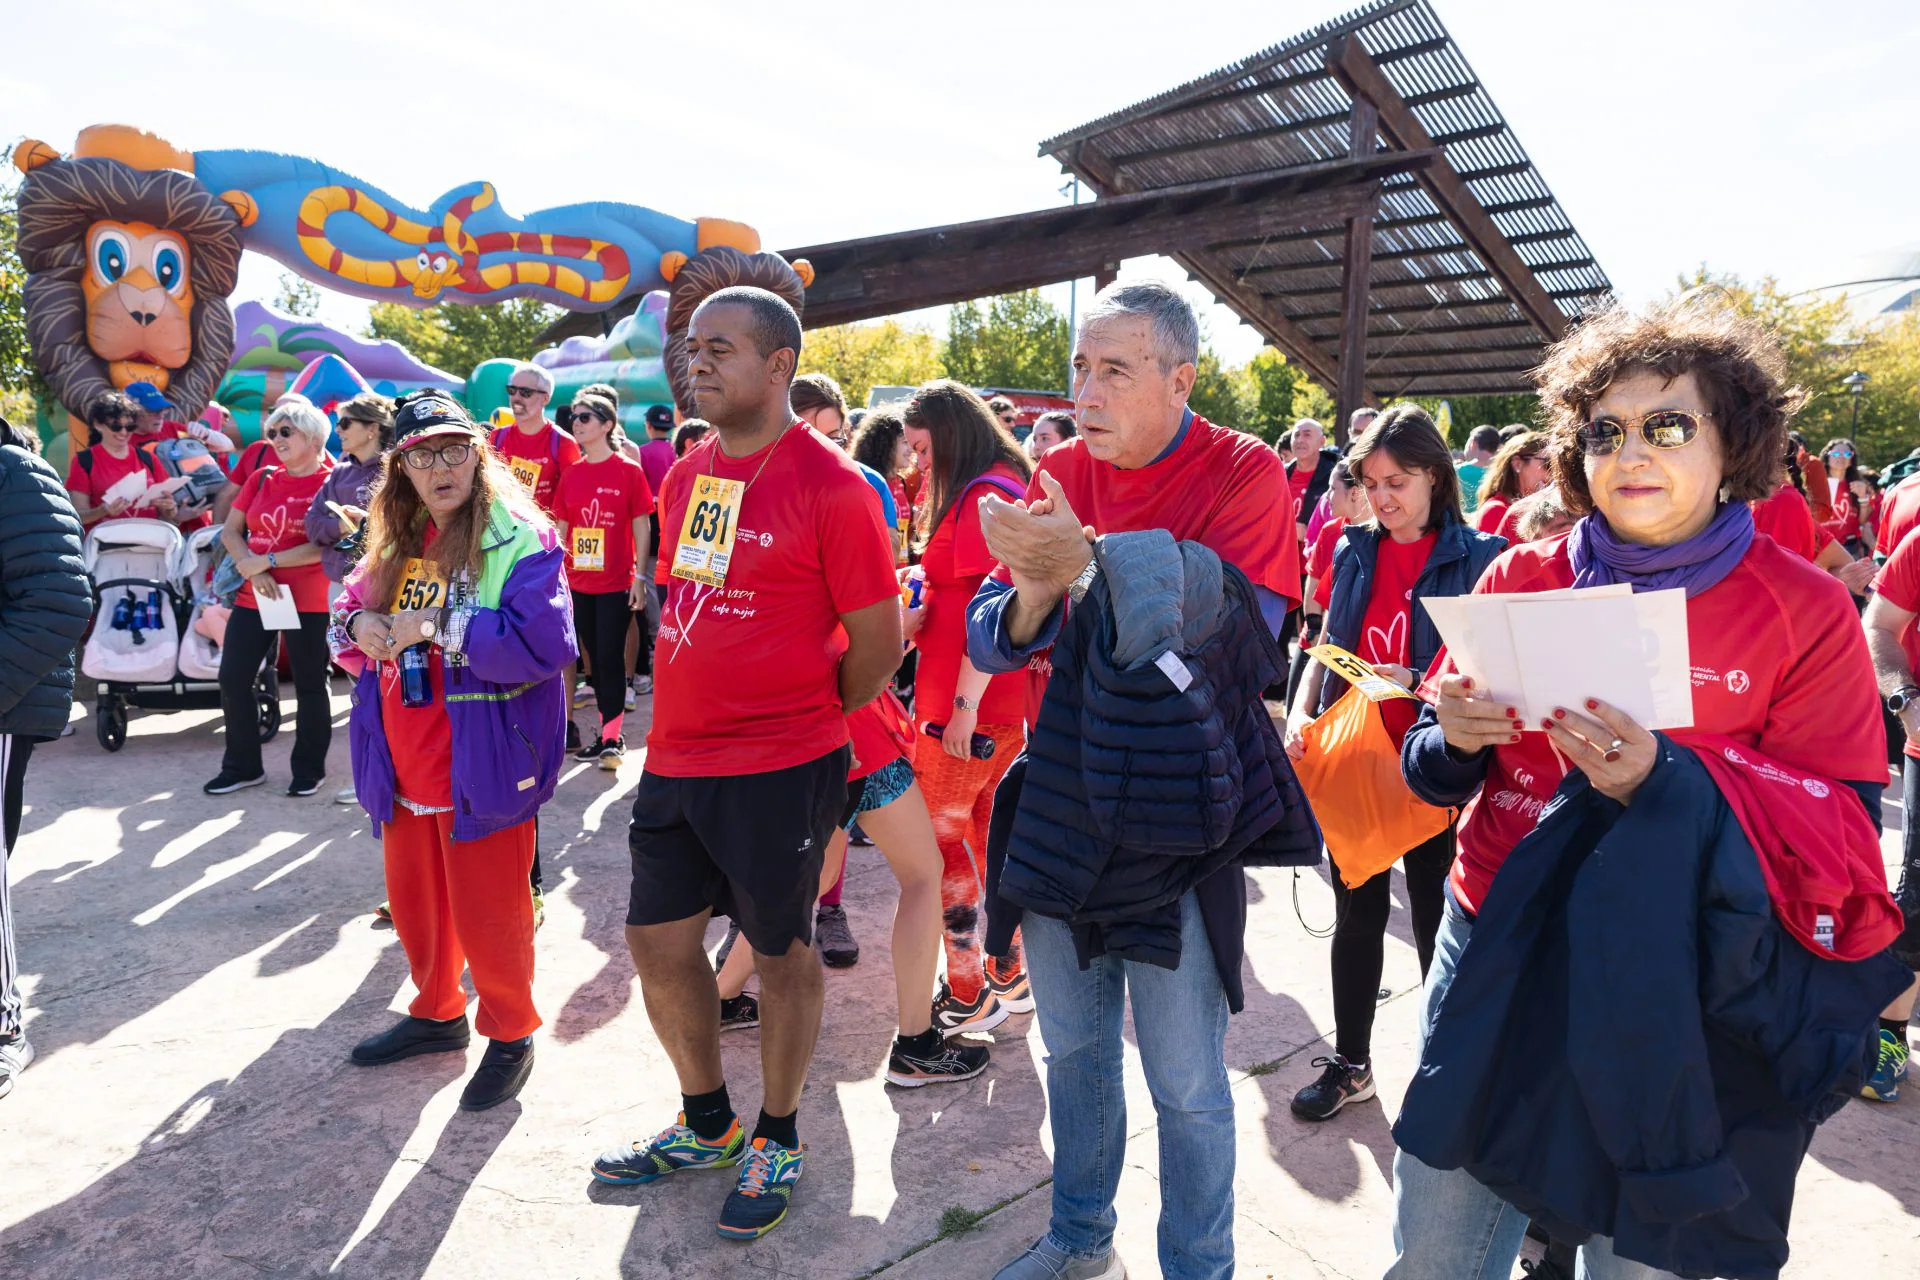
(782, 616)
(1143, 460)
(537, 451)
(1891, 620)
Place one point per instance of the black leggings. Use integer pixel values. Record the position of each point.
(602, 619)
(240, 658)
(1359, 938)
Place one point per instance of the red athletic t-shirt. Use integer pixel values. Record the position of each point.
(746, 676)
(1779, 663)
(881, 733)
(420, 739)
(1490, 515)
(1299, 476)
(1216, 488)
(956, 561)
(608, 496)
(1899, 581)
(1788, 520)
(543, 457)
(1899, 515)
(108, 471)
(1320, 559)
(255, 456)
(275, 503)
(1386, 625)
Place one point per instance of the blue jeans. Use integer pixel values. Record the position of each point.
(1180, 1025)
(1446, 1224)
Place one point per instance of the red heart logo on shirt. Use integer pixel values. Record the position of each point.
(1384, 646)
(272, 527)
(591, 515)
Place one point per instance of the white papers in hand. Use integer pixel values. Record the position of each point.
(279, 613)
(1548, 649)
(127, 488)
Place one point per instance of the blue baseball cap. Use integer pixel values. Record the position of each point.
(148, 397)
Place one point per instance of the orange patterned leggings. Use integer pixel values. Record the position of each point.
(960, 799)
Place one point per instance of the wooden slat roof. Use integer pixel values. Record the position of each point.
(1475, 265)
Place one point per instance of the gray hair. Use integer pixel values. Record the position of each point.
(535, 372)
(305, 417)
(1306, 424)
(1176, 332)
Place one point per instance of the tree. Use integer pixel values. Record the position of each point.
(863, 356)
(21, 385)
(1221, 395)
(297, 297)
(455, 337)
(1273, 385)
(1017, 340)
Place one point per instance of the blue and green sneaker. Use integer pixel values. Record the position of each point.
(670, 1151)
(759, 1201)
(1884, 1084)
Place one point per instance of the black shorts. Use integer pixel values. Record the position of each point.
(748, 846)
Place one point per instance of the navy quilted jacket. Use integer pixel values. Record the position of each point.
(45, 599)
(1136, 793)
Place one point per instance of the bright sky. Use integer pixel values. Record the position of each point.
(1759, 136)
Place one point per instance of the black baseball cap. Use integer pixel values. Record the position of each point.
(660, 417)
(420, 414)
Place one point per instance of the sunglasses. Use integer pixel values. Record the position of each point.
(284, 433)
(1663, 429)
(525, 391)
(1841, 453)
(421, 458)
(587, 415)
(117, 426)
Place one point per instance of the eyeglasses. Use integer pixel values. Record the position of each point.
(421, 458)
(284, 433)
(587, 415)
(524, 391)
(1840, 453)
(1663, 429)
(117, 426)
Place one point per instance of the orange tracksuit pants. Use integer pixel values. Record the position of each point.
(464, 906)
(960, 801)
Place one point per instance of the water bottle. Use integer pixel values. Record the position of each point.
(155, 619)
(123, 613)
(415, 688)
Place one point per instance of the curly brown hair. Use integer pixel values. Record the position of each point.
(1739, 365)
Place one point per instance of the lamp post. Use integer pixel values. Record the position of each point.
(1856, 385)
(1073, 289)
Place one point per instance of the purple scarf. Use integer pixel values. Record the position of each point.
(1601, 558)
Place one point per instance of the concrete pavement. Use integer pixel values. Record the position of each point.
(197, 968)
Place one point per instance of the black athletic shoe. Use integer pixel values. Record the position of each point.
(1338, 1085)
(950, 1062)
(611, 752)
(726, 945)
(955, 1016)
(503, 1069)
(834, 938)
(739, 1013)
(573, 735)
(858, 838)
(589, 751)
(225, 784)
(305, 786)
(411, 1036)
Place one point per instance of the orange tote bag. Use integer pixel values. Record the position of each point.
(1351, 773)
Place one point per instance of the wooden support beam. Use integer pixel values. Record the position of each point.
(1356, 271)
(1105, 274)
(1360, 74)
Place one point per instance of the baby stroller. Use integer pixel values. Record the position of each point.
(144, 592)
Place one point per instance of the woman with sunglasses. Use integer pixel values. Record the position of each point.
(1842, 473)
(601, 507)
(455, 627)
(109, 458)
(1520, 468)
(266, 534)
(1666, 425)
(340, 508)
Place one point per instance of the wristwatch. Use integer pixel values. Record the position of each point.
(1077, 589)
(426, 630)
(1900, 699)
(961, 702)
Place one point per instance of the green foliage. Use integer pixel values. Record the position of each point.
(1823, 344)
(455, 338)
(1221, 395)
(863, 356)
(1273, 387)
(1485, 411)
(297, 297)
(958, 1220)
(17, 374)
(1016, 340)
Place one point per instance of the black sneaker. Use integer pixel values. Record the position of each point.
(858, 838)
(739, 1013)
(610, 753)
(726, 945)
(573, 736)
(225, 784)
(954, 1016)
(949, 1063)
(834, 938)
(1339, 1084)
(304, 786)
(503, 1070)
(587, 751)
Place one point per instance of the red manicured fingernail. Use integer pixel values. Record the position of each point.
(1546, 724)
(1518, 724)
(1514, 738)
(1466, 683)
(1559, 713)
(1513, 711)
(1593, 704)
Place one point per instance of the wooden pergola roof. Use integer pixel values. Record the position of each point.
(1473, 264)
(1353, 194)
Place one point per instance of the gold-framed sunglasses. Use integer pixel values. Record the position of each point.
(1662, 429)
